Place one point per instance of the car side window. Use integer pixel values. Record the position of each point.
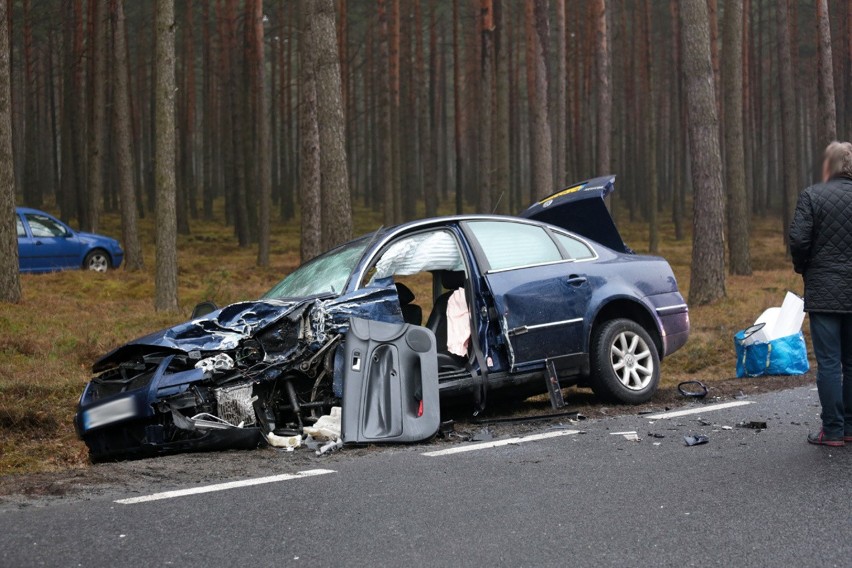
(44, 226)
(575, 247)
(20, 225)
(513, 245)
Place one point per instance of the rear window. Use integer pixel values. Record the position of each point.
(575, 247)
(513, 245)
(21, 231)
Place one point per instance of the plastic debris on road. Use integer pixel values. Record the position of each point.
(289, 443)
(696, 439)
(327, 428)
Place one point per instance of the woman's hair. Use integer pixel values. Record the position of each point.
(838, 156)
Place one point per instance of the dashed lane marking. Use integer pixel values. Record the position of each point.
(499, 443)
(224, 486)
(699, 409)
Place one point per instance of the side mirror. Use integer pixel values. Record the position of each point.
(202, 309)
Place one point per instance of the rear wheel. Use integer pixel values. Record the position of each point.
(625, 362)
(97, 260)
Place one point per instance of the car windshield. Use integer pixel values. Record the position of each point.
(327, 273)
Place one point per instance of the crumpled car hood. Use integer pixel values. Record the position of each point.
(217, 331)
(224, 329)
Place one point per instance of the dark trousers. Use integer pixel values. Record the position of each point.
(832, 339)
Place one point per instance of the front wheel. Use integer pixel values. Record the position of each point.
(625, 362)
(97, 260)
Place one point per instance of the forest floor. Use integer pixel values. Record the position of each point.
(67, 320)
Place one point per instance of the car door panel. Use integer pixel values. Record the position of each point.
(51, 246)
(390, 385)
(541, 310)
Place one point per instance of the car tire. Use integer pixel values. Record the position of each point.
(625, 363)
(97, 260)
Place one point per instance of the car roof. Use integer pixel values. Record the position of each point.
(458, 218)
(30, 210)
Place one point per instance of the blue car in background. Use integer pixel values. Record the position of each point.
(46, 244)
(387, 325)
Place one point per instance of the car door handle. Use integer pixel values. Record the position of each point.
(38, 243)
(575, 280)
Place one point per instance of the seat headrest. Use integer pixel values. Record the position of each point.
(452, 279)
(406, 296)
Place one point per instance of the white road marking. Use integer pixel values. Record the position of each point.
(622, 433)
(700, 409)
(224, 486)
(499, 443)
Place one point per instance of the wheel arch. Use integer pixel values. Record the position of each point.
(97, 248)
(632, 309)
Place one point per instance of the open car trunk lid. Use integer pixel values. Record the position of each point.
(581, 209)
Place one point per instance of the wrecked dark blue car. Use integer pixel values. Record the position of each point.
(461, 306)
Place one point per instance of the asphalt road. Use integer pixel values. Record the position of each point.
(747, 498)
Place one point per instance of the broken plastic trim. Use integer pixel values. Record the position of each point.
(700, 393)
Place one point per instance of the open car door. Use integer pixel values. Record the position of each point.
(390, 383)
(581, 209)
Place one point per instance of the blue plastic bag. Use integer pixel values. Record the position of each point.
(783, 356)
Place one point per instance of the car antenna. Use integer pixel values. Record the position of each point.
(496, 205)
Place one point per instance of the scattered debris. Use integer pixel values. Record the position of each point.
(692, 389)
(289, 443)
(740, 396)
(753, 425)
(727, 427)
(655, 435)
(629, 436)
(696, 439)
(657, 443)
(330, 447)
(326, 427)
(483, 435)
(572, 415)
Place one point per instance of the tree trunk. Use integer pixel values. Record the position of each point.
(97, 132)
(789, 143)
(707, 283)
(309, 167)
(540, 142)
(604, 90)
(561, 94)
(336, 202)
(649, 122)
(486, 112)
(677, 124)
(164, 161)
(457, 109)
(394, 81)
(502, 160)
(713, 15)
(732, 83)
(10, 285)
(425, 107)
(825, 77)
(123, 144)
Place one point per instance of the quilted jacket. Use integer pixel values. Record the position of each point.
(821, 245)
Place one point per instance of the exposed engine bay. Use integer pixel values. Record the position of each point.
(227, 380)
